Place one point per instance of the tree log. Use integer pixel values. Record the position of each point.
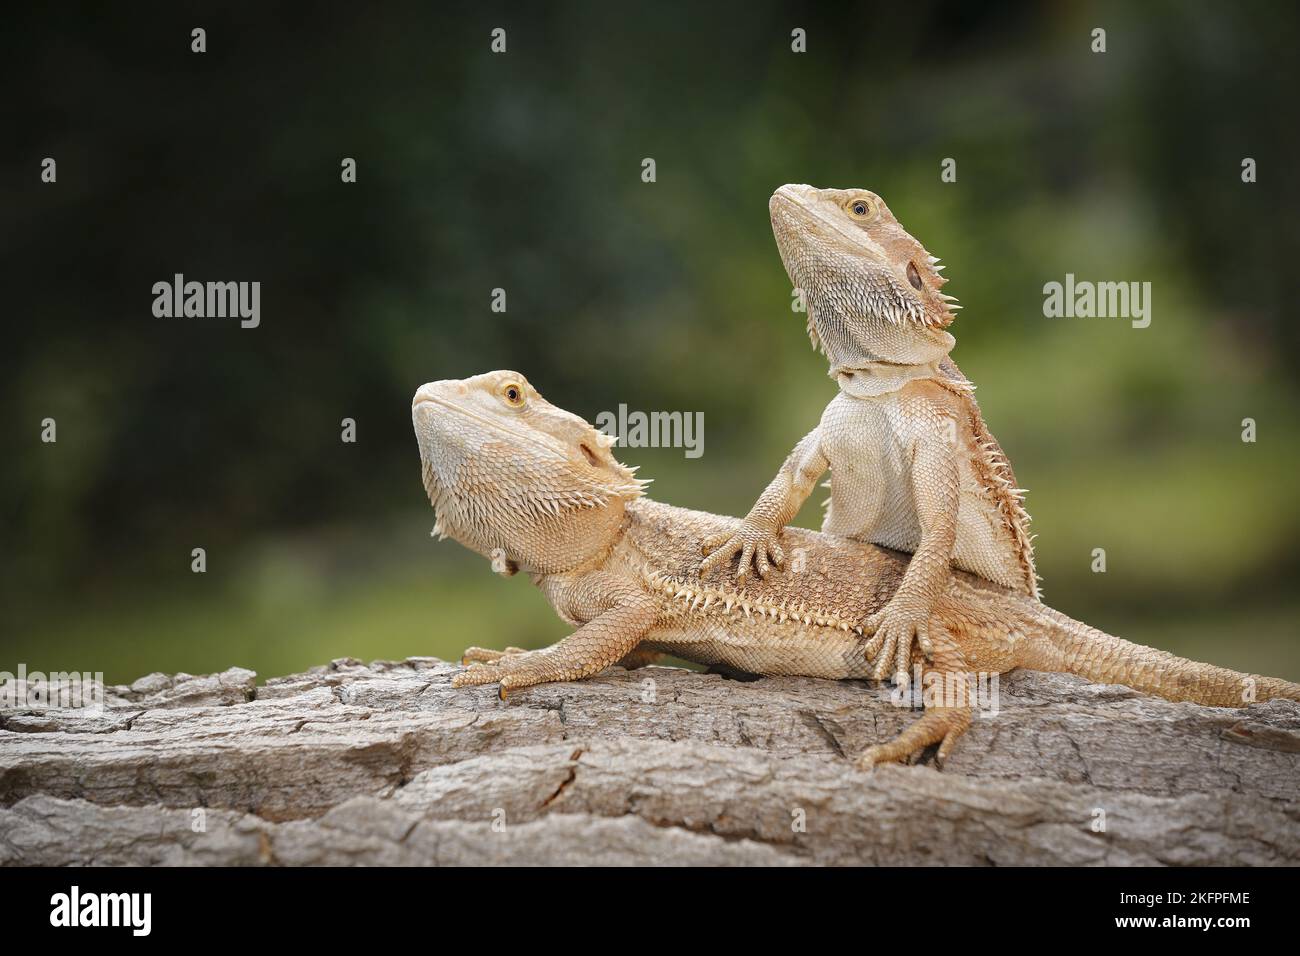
(386, 763)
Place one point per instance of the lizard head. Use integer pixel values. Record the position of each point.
(515, 478)
(872, 291)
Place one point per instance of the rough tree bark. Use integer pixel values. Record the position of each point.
(387, 764)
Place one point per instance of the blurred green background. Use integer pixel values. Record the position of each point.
(522, 171)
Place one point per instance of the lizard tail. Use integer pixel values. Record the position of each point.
(1076, 648)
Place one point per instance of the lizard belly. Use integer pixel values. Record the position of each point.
(761, 647)
(871, 472)
(871, 489)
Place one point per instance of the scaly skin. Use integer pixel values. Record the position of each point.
(536, 489)
(913, 465)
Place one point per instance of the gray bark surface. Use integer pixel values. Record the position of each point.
(386, 763)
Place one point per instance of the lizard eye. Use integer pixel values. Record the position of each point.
(514, 395)
(913, 276)
(860, 208)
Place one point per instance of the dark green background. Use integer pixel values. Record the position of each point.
(522, 171)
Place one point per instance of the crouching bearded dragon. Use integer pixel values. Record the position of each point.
(913, 466)
(537, 489)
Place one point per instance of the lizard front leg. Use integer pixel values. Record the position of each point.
(775, 508)
(617, 616)
(906, 616)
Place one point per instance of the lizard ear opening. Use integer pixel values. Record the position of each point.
(590, 455)
(913, 276)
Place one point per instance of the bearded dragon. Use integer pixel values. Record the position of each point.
(913, 466)
(537, 489)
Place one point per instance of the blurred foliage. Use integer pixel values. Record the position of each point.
(522, 171)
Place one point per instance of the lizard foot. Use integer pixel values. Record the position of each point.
(944, 726)
(512, 669)
(755, 544)
(894, 627)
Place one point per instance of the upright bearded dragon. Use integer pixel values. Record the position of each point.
(536, 488)
(913, 466)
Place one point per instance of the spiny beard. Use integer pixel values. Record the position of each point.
(491, 520)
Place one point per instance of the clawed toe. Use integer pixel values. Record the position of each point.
(487, 655)
(944, 727)
(887, 753)
(477, 674)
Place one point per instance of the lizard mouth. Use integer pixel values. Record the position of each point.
(787, 203)
(784, 205)
(427, 404)
(803, 234)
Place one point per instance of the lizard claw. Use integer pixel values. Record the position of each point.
(486, 655)
(714, 541)
(894, 627)
(512, 669)
(943, 726)
(877, 754)
(924, 642)
(478, 674)
(756, 545)
(870, 757)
